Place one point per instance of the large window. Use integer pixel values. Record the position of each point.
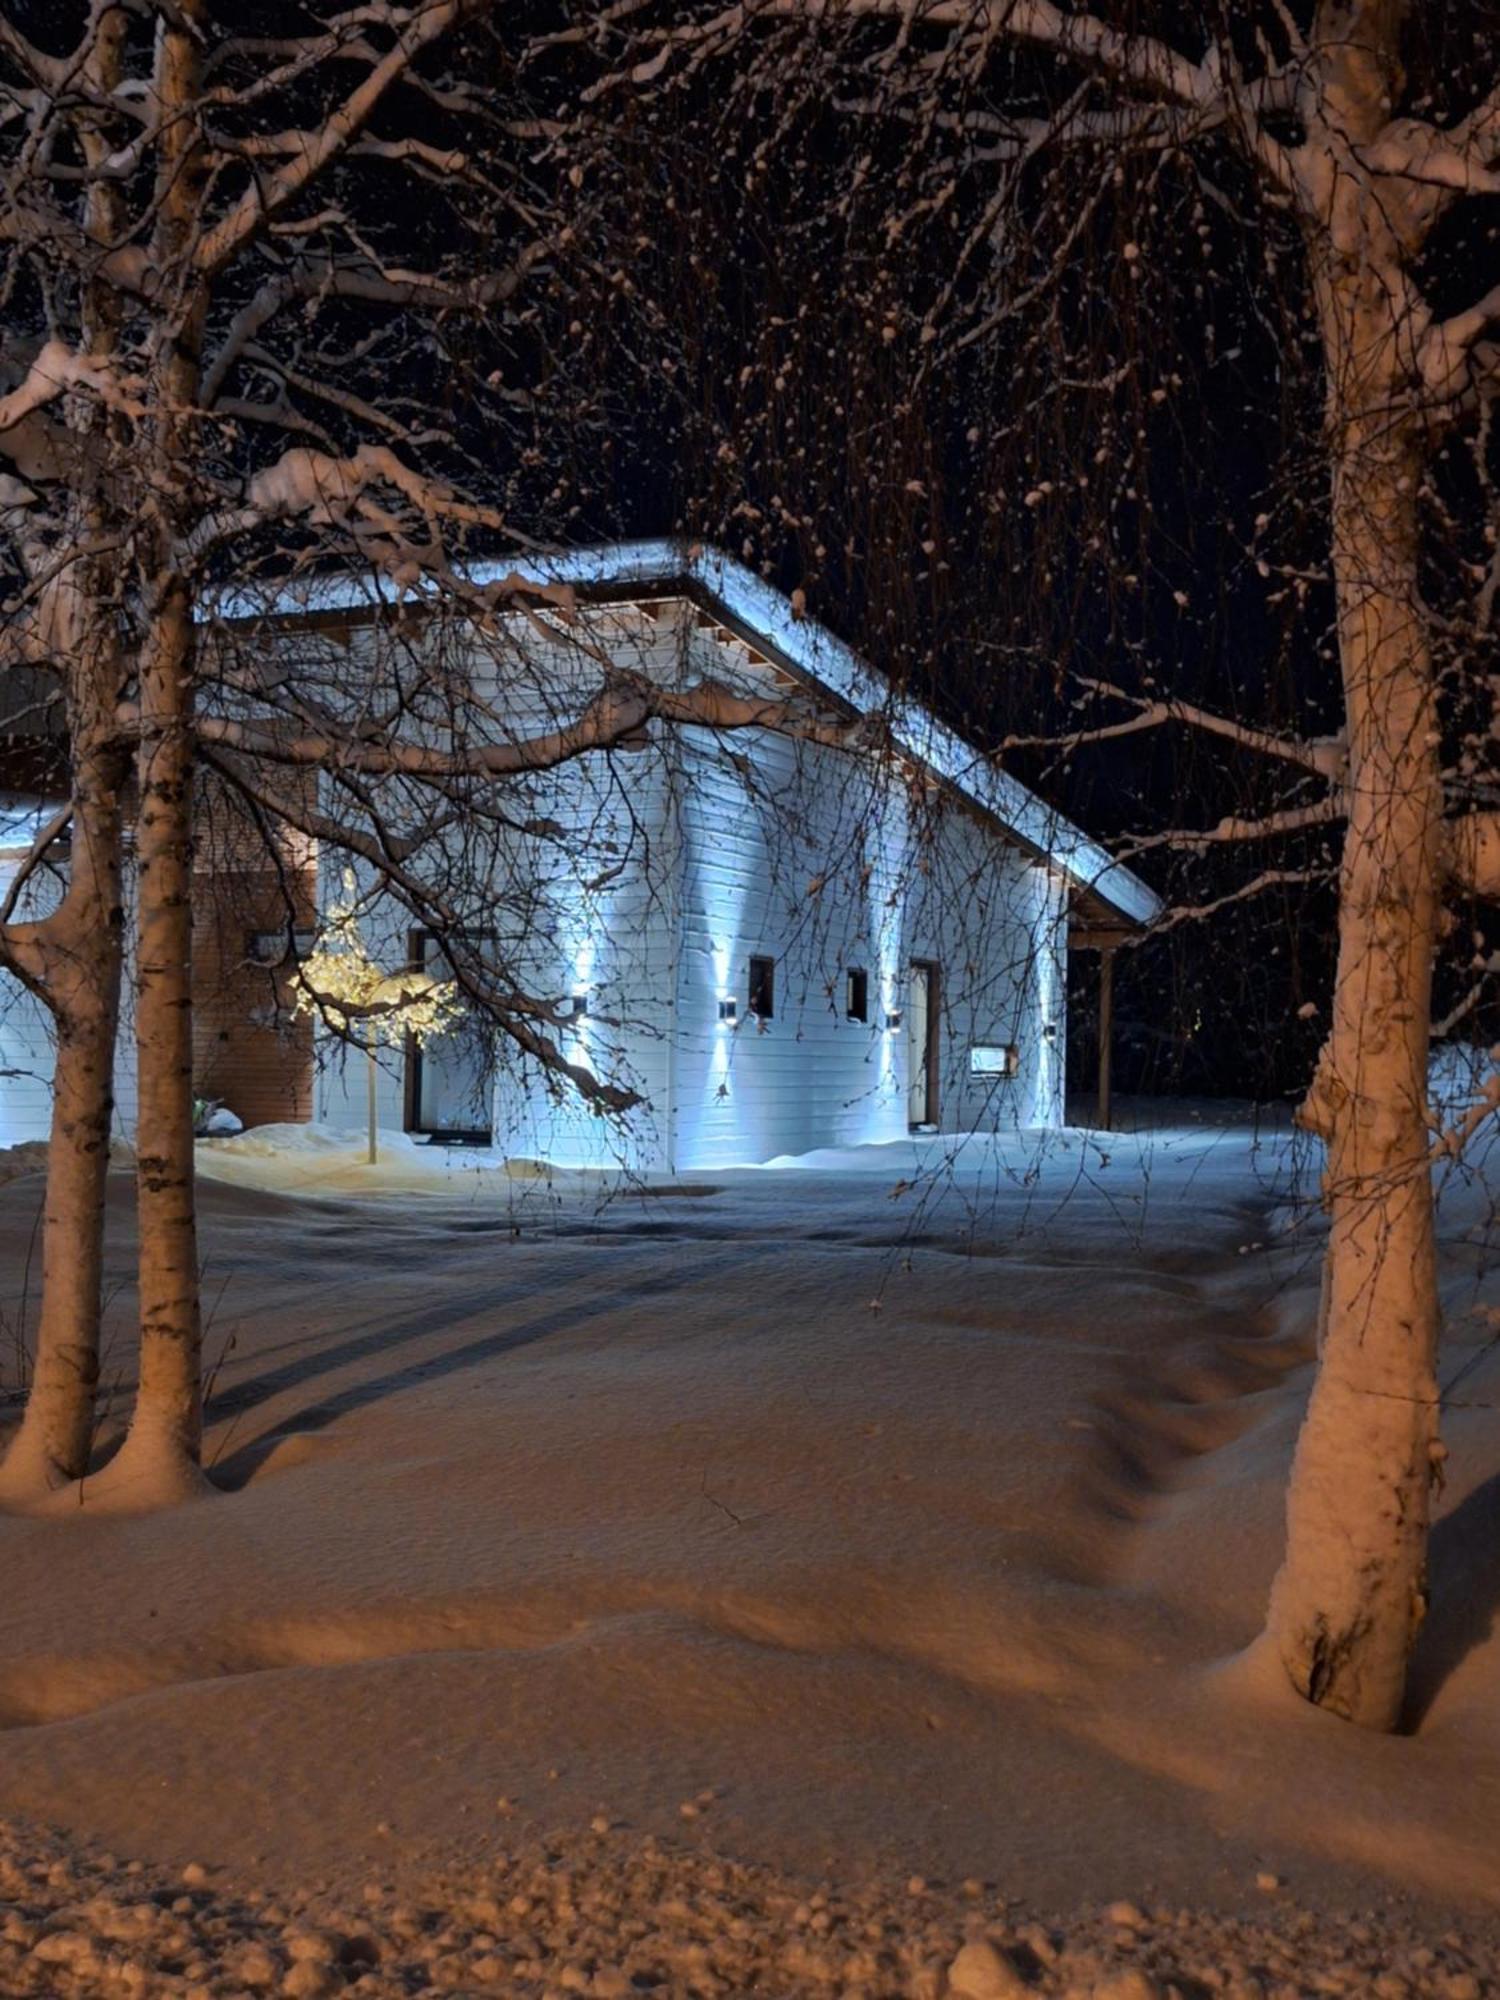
(762, 996)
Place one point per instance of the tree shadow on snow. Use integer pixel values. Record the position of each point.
(234, 1469)
(1464, 1593)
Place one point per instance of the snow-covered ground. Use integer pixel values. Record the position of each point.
(887, 1514)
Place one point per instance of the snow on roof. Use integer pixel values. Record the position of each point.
(21, 820)
(764, 615)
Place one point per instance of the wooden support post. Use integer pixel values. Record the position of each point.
(1106, 1032)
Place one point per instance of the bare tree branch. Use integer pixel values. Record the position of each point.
(1144, 61)
(310, 153)
(614, 717)
(1473, 854)
(51, 832)
(1325, 757)
(1236, 827)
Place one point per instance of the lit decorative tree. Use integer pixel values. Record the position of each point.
(343, 986)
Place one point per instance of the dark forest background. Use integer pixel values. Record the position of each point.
(792, 377)
(1003, 451)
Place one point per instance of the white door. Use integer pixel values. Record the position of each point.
(454, 1073)
(919, 1044)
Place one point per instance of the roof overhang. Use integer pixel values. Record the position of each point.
(765, 619)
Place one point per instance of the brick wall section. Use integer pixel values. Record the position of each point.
(248, 1050)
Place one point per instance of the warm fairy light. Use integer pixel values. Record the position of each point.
(342, 985)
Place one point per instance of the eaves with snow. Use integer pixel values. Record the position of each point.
(764, 618)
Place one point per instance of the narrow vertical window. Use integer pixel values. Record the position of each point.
(857, 994)
(762, 988)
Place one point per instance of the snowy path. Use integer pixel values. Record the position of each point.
(888, 1531)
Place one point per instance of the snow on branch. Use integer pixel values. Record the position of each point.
(1234, 827)
(325, 491)
(1417, 151)
(309, 153)
(1474, 854)
(1144, 61)
(28, 614)
(58, 369)
(1269, 878)
(1324, 755)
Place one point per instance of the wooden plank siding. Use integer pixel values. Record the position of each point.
(671, 864)
(591, 910)
(718, 848)
(828, 862)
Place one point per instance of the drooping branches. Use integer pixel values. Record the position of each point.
(274, 304)
(1143, 218)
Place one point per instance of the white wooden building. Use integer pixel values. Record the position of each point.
(807, 946)
(774, 943)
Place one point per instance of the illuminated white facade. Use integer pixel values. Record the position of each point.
(775, 944)
(772, 943)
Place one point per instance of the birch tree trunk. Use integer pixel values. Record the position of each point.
(81, 946)
(163, 1447)
(1352, 1590)
(84, 949)
(167, 1428)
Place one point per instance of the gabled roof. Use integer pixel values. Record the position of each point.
(758, 613)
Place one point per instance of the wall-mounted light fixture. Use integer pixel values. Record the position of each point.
(276, 948)
(893, 1018)
(729, 1008)
(1049, 1032)
(573, 1006)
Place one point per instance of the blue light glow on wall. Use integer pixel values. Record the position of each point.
(887, 919)
(1051, 999)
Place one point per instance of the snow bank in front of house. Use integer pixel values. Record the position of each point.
(1180, 1132)
(1183, 1139)
(326, 1159)
(30, 1157)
